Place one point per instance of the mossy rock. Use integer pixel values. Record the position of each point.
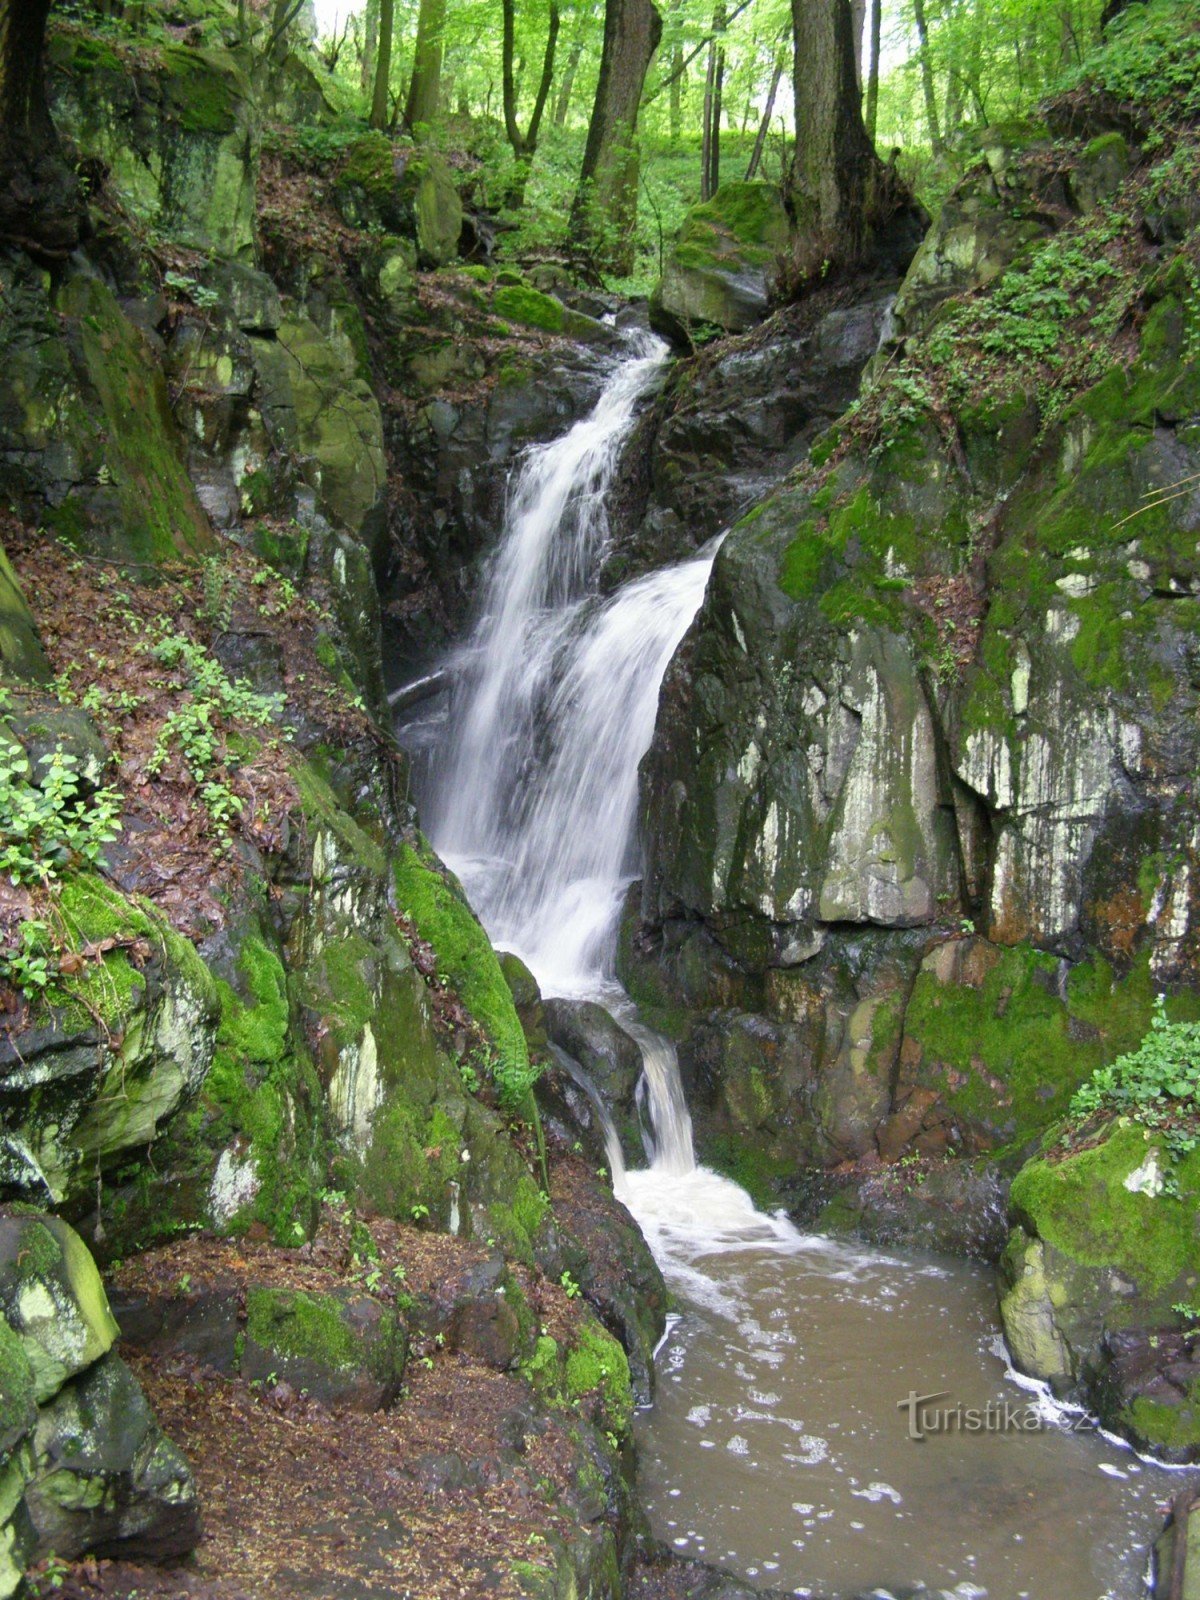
(591, 1372)
(109, 1054)
(104, 1475)
(528, 307)
(21, 653)
(718, 271)
(343, 1349)
(52, 1298)
(428, 893)
(1106, 1244)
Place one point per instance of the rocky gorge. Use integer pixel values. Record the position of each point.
(313, 1278)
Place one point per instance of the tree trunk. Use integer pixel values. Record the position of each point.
(840, 192)
(524, 145)
(764, 126)
(39, 195)
(872, 117)
(370, 45)
(927, 86)
(381, 114)
(574, 55)
(714, 143)
(605, 210)
(710, 136)
(858, 20)
(425, 84)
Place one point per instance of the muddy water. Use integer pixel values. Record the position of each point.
(776, 1447)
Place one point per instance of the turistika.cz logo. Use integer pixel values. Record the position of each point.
(926, 1417)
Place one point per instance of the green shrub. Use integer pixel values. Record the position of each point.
(1158, 1083)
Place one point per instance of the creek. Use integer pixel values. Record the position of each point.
(779, 1444)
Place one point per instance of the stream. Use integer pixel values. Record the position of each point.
(779, 1444)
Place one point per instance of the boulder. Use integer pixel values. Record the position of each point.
(85, 1081)
(52, 1298)
(21, 654)
(610, 1060)
(1105, 1246)
(105, 1479)
(720, 268)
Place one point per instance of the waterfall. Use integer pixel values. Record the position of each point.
(536, 805)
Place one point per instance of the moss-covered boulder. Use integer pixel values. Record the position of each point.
(719, 269)
(401, 190)
(176, 131)
(1106, 1245)
(317, 403)
(52, 1298)
(110, 1052)
(104, 1478)
(344, 1349)
(21, 653)
(95, 451)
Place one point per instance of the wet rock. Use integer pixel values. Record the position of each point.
(719, 270)
(344, 1348)
(953, 1207)
(51, 1296)
(611, 1058)
(1101, 1253)
(527, 998)
(105, 1478)
(77, 1091)
(21, 654)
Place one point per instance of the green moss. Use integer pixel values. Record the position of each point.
(802, 563)
(159, 517)
(201, 90)
(370, 165)
(302, 1325)
(750, 1167)
(516, 1222)
(1081, 1207)
(596, 1364)
(18, 1396)
(413, 1158)
(529, 307)
(1014, 1031)
(435, 902)
(1165, 1427)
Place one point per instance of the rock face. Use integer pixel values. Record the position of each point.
(918, 805)
(1104, 1249)
(720, 268)
(86, 1466)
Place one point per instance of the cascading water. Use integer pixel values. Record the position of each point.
(775, 1444)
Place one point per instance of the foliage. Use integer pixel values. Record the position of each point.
(51, 823)
(1158, 1083)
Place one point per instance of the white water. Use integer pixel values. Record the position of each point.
(775, 1444)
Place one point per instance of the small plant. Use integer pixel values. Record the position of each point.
(48, 825)
(570, 1287)
(33, 965)
(1158, 1083)
(418, 1212)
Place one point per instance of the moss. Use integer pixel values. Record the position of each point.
(596, 1364)
(18, 1398)
(438, 907)
(370, 165)
(1008, 1054)
(158, 517)
(752, 1168)
(802, 564)
(516, 1221)
(1081, 1207)
(305, 1326)
(1174, 1428)
(201, 90)
(529, 307)
(413, 1159)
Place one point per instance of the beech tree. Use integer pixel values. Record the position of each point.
(841, 193)
(605, 208)
(524, 145)
(424, 86)
(39, 195)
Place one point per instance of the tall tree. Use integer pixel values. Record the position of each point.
(841, 194)
(710, 139)
(525, 144)
(424, 86)
(562, 104)
(605, 209)
(760, 142)
(876, 35)
(381, 115)
(39, 196)
(927, 84)
(370, 21)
